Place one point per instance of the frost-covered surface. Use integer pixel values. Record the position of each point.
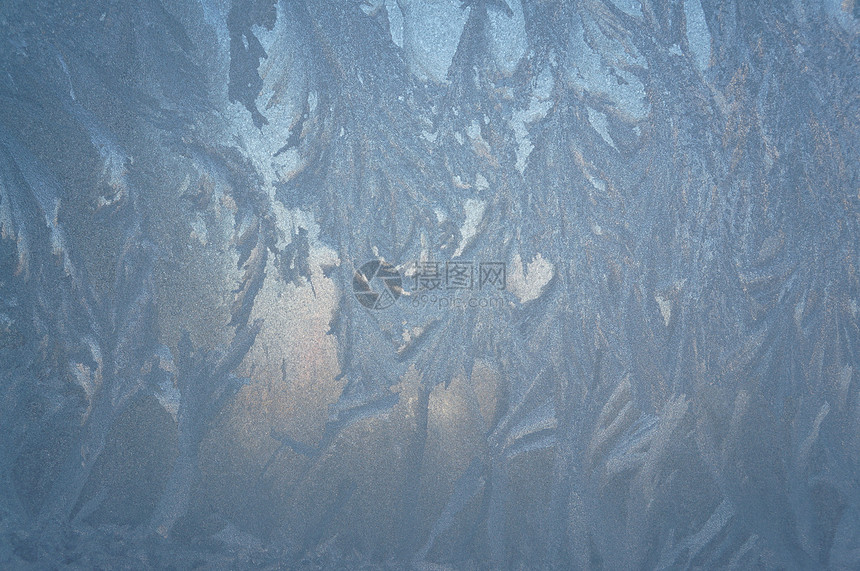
(668, 378)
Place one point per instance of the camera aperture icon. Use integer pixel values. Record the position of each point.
(377, 284)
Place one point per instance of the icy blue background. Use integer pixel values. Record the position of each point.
(670, 379)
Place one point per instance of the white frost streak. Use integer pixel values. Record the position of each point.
(528, 283)
(539, 106)
(395, 22)
(474, 215)
(431, 33)
(665, 308)
(508, 41)
(607, 68)
(600, 124)
(698, 36)
(630, 7)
